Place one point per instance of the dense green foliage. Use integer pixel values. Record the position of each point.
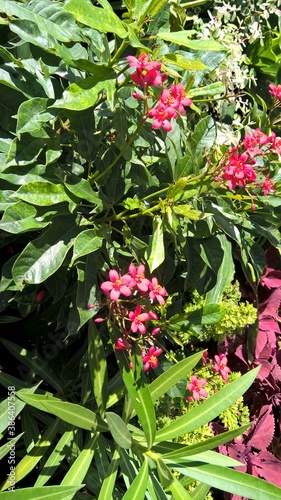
(90, 184)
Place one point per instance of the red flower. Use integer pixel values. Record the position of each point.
(117, 285)
(196, 387)
(161, 116)
(275, 91)
(147, 72)
(255, 139)
(238, 171)
(143, 63)
(221, 366)
(267, 186)
(157, 291)
(138, 318)
(150, 359)
(138, 278)
(180, 95)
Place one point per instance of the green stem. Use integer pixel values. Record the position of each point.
(123, 150)
(118, 52)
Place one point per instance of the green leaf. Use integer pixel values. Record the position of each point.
(182, 38)
(84, 93)
(80, 466)
(138, 487)
(164, 474)
(30, 460)
(178, 491)
(216, 88)
(68, 412)
(150, 9)
(225, 273)
(45, 255)
(42, 193)
(42, 493)
(6, 448)
(206, 315)
(61, 30)
(187, 211)
(37, 364)
(209, 409)
(210, 457)
(104, 20)
(183, 62)
(85, 243)
(81, 188)
(137, 387)
(32, 115)
(234, 482)
(97, 367)
(21, 217)
(155, 253)
(110, 477)
(119, 430)
(54, 460)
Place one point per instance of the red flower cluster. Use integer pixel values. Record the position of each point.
(171, 102)
(240, 165)
(275, 91)
(134, 314)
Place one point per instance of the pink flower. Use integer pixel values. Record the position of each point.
(221, 366)
(255, 139)
(117, 285)
(138, 278)
(277, 145)
(157, 291)
(161, 116)
(150, 78)
(150, 359)
(143, 63)
(238, 171)
(267, 186)
(180, 95)
(276, 91)
(122, 345)
(137, 318)
(196, 387)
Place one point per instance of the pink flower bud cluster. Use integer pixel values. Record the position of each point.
(172, 101)
(131, 299)
(241, 165)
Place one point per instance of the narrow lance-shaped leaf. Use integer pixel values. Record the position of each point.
(71, 413)
(155, 253)
(233, 481)
(119, 430)
(80, 466)
(138, 487)
(97, 367)
(42, 493)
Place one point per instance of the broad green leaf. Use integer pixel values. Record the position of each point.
(84, 93)
(71, 413)
(81, 188)
(206, 315)
(234, 482)
(216, 88)
(182, 38)
(204, 135)
(56, 29)
(45, 255)
(119, 430)
(138, 487)
(138, 389)
(97, 366)
(183, 62)
(155, 253)
(30, 460)
(80, 466)
(209, 409)
(42, 193)
(21, 217)
(54, 460)
(32, 115)
(104, 20)
(37, 364)
(85, 243)
(42, 493)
